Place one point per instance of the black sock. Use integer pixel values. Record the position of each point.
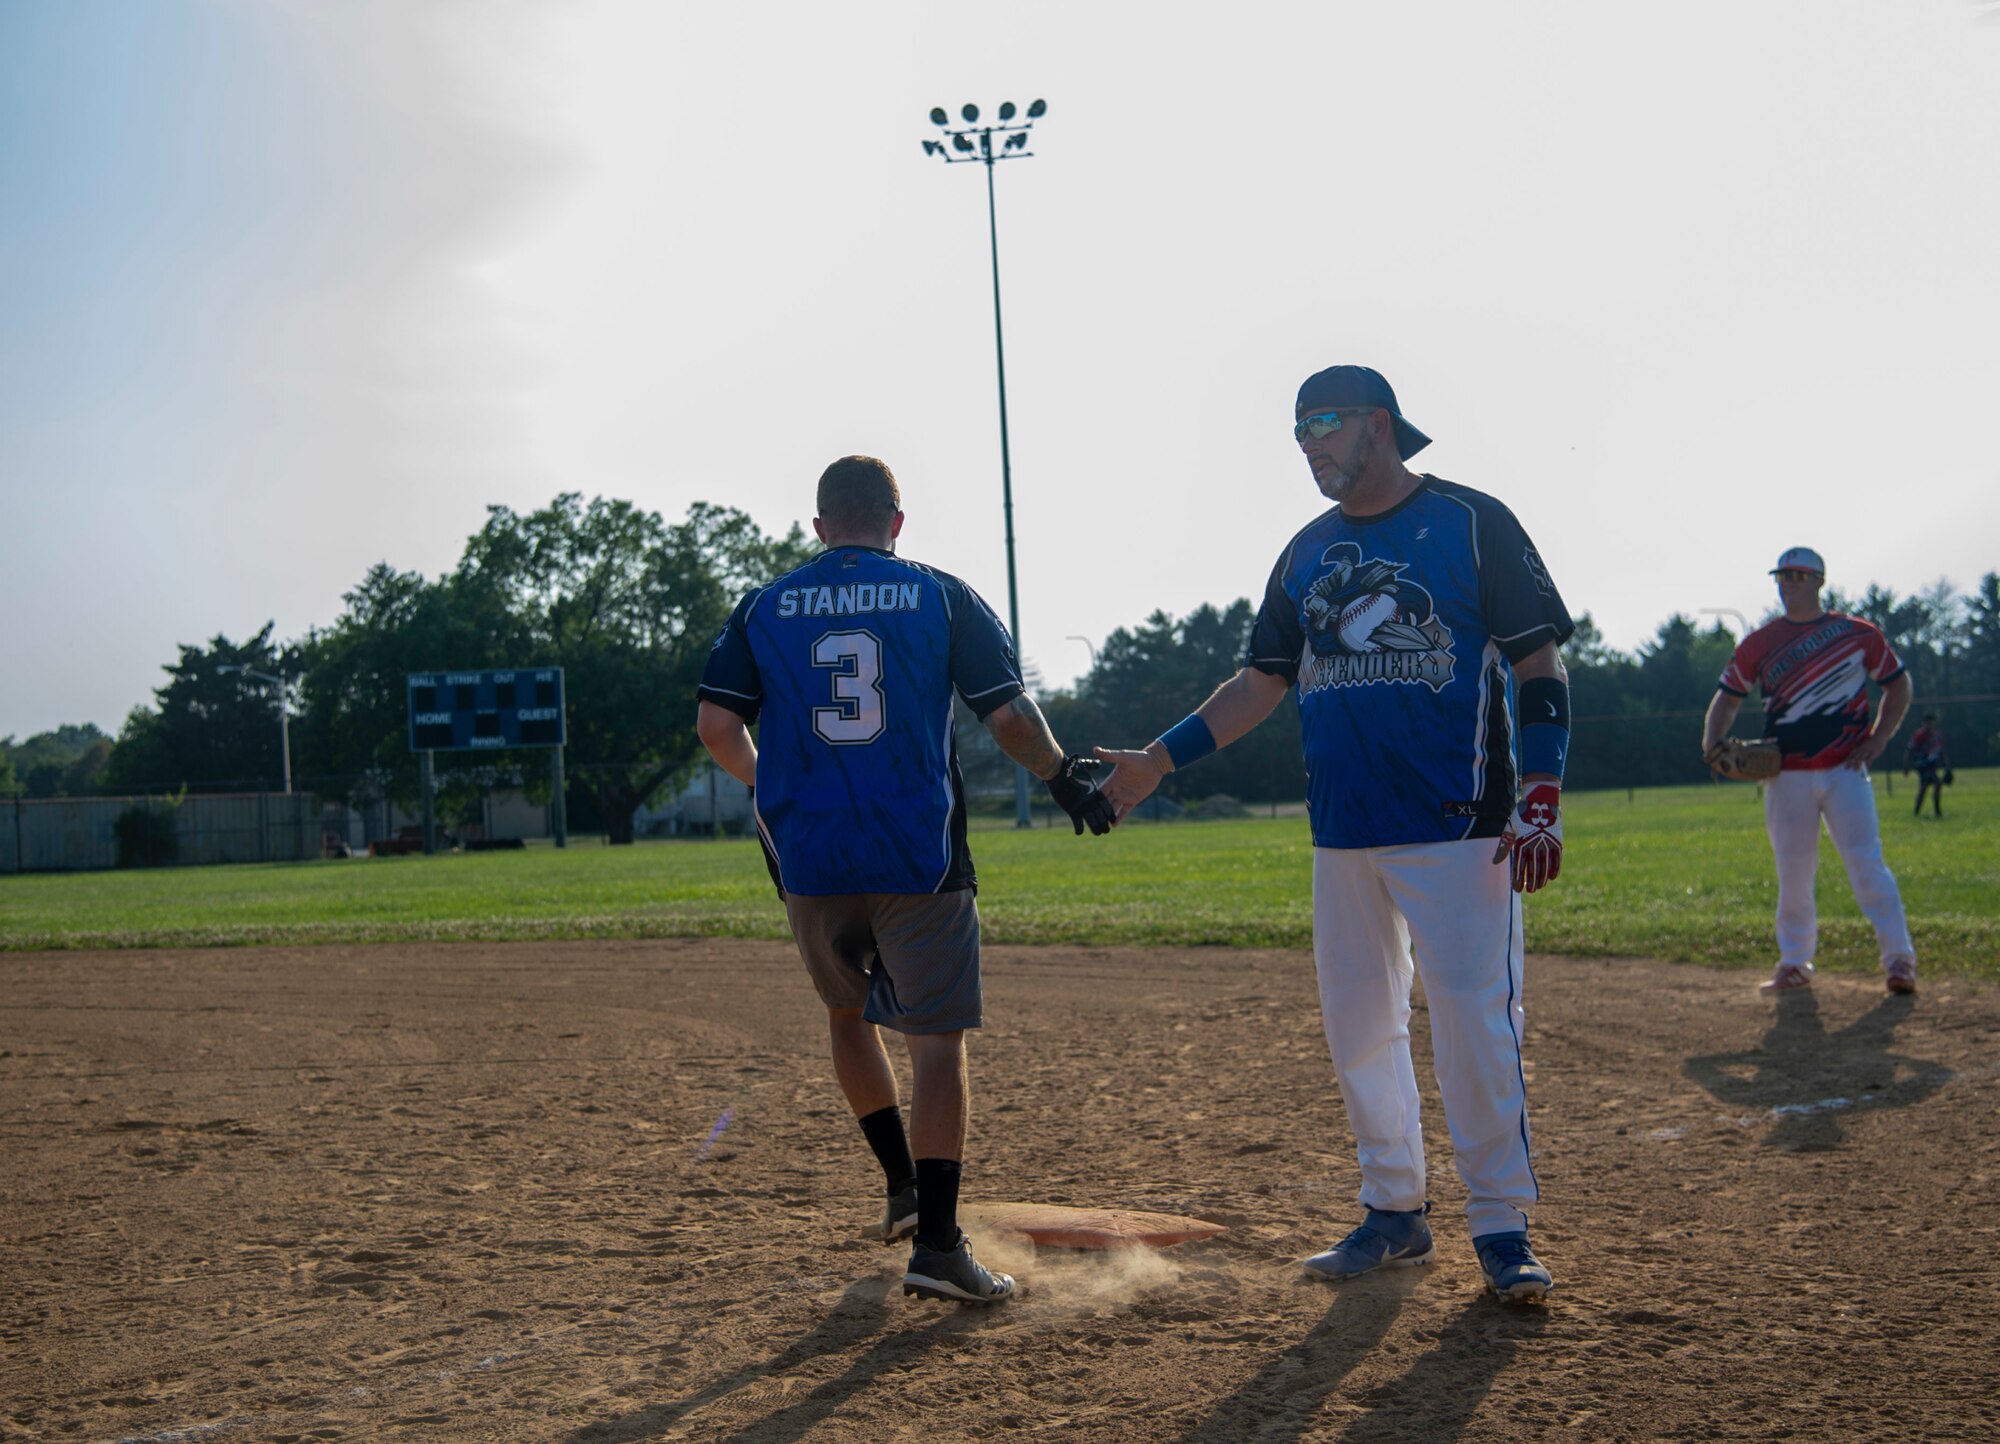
(937, 1203)
(884, 1130)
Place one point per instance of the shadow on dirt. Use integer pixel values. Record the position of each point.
(862, 1310)
(1805, 1079)
(1434, 1399)
(1281, 1400)
(1439, 1394)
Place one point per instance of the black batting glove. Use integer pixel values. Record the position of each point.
(1075, 791)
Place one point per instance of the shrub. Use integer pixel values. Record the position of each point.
(145, 834)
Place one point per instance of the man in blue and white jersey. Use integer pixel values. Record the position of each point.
(1418, 626)
(850, 663)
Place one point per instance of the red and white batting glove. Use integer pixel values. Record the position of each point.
(1538, 837)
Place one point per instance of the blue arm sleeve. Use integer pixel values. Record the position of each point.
(1544, 707)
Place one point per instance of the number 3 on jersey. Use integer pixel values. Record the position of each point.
(855, 659)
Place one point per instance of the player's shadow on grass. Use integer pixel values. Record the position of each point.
(861, 1311)
(1806, 1079)
(1280, 1402)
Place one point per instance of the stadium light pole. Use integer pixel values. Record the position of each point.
(1741, 620)
(967, 143)
(284, 712)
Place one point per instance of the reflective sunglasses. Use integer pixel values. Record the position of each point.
(1324, 423)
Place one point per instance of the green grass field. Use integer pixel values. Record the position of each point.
(1677, 873)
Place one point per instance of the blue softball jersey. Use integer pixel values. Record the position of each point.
(1399, 631)
(850, 662)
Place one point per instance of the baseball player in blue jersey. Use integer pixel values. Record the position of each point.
(1420, 630)
(851, 662)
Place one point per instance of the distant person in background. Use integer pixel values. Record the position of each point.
(1814, 667)
(1927, 756)
(851, 662)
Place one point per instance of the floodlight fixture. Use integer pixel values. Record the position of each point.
(931, 147)
(938, 117)
(1006, 111)
(1016, 141)
(1039, 109)
(962, 143)
(970, 112)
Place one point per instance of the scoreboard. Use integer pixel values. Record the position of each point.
(468, 711)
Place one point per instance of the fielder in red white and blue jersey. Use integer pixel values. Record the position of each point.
(1813, 667)
(1814, 676)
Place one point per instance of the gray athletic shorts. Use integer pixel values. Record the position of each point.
(909, 961)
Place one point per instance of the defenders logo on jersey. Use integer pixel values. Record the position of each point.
(1366, 623)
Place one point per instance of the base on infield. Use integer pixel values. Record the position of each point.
(1051, 1225)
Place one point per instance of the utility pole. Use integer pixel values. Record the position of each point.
(284, 713)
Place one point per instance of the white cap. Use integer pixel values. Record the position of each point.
(1799, 559)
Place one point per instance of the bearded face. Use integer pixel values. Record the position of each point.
(1338, 471)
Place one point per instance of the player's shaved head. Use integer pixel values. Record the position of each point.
(858, 499)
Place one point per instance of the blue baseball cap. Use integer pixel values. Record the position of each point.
(1339, 388)
(1799, 559)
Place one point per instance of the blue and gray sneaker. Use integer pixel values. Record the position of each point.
(1385, 1240)
(1512, 1270)
(899, 1217)
(953, 1274)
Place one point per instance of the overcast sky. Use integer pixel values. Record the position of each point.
(290, 288)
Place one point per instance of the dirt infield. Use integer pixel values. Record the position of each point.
(610, 1192)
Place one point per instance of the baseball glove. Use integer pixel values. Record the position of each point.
(1741, 761)
(1075, 789)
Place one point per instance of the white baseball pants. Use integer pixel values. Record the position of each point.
(1456, 907)
(1794, 803)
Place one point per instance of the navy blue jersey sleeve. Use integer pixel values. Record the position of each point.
(983, 666)
(1522, 608)
(730, 679)
(1277, 641)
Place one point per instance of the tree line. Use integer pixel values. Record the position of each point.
(628, 604)
(1638, 713)
(624, 601)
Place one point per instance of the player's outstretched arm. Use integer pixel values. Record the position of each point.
(727, 738)
(1023, 734)
(1229, 713)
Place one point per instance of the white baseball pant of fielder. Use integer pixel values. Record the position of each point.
(1794, 802)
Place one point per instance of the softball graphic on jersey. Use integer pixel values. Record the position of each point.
(1366, 622)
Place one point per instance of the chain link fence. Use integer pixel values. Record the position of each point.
(1663, 749)
(74, 834)
(484, 805)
